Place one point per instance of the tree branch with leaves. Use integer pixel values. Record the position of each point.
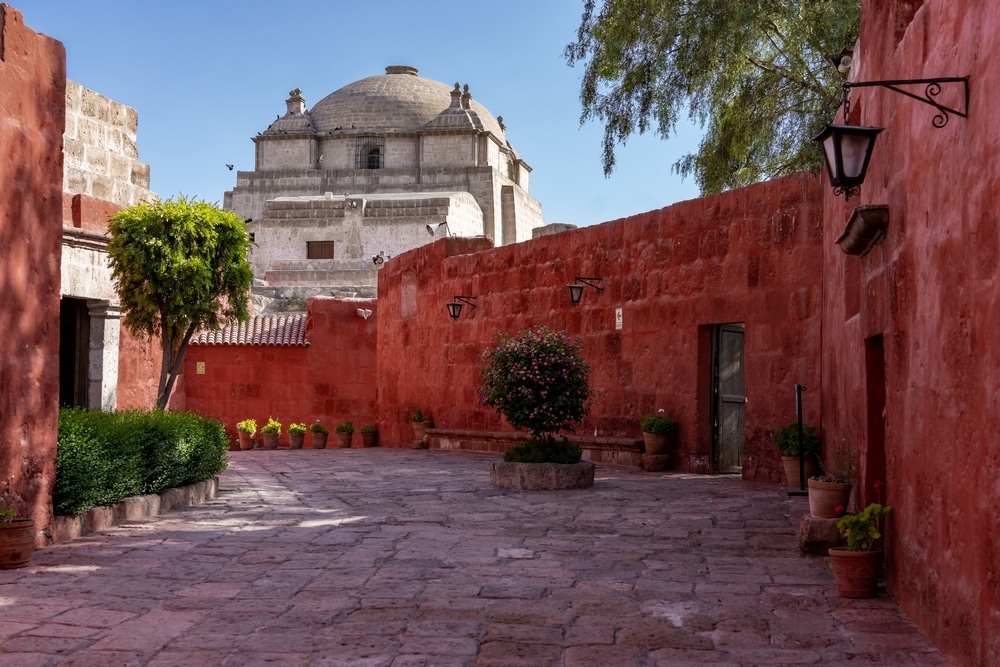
(753, 74)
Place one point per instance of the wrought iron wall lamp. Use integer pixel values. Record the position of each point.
(847, 149)
(455, 307)
(576, 290)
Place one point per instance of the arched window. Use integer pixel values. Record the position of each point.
(370, 152)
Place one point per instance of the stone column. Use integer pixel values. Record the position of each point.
(102, 372)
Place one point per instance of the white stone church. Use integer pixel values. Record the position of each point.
(378, 167)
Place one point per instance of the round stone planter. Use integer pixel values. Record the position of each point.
(295, 440)
(542, 476)
(319, 440)
(344, 440)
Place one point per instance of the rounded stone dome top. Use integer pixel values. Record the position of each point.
(397, 101)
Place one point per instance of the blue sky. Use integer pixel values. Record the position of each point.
(206, 76)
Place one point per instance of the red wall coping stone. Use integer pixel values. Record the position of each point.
(86, 212)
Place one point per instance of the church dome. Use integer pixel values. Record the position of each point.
(397, 101)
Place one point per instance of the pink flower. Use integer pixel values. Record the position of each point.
(877, 485)
(839, 509)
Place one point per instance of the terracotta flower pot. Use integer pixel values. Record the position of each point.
(319, 440)
(344, 440)
(369, 439)
(17, 540)
(791, 464)
(825, 497)
(246, 439)
(271, 440)
(855, 572)
(295, 440)
(419, 431)
(656, 444)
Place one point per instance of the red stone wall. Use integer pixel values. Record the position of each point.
(921, 309)
(751, 255)
(330, 380)
(32, 116)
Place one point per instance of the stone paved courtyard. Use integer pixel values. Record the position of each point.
(390, 557)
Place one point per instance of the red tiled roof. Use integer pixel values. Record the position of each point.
(258, 330)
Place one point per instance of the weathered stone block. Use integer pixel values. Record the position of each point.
(655, 462)
(542, 476)
(817, 534)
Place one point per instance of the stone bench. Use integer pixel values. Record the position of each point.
(617, 451)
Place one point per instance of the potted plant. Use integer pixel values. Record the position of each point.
(856, 566)
(17, 539)
(369, 435)
(831, 490)
(271, 432)
(786, 439)
(320, 434)
(420, 423)
(654, 433)
(246, 430)
(537, 380)
(296, 435)
(344, 432)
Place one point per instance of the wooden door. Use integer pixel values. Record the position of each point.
(729, 397)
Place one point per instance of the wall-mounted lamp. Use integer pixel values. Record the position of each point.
(843, 60)
(432, 228)
(455, 307)
(364, 313)
(576, 290)
(847, 149)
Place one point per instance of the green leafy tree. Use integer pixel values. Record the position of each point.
(754, 74)
(179, 266)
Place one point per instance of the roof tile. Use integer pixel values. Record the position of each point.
(258, 330)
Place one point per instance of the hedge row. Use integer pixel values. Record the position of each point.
(105, 457)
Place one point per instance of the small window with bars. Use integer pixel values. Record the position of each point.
(319, 249)
(370, 152)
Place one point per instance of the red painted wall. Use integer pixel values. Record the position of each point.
(921, 310)
(330, 380)
(751, 255)
(32, 118)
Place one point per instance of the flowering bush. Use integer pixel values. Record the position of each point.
(537, 380)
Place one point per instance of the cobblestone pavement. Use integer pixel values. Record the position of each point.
(391, 557)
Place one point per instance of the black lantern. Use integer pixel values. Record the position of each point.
(575, 292)
(576, 289)
(846, 151)
(455, 307)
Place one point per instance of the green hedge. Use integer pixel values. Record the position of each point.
(105, 457)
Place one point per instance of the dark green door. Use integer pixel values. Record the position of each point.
(729, 398)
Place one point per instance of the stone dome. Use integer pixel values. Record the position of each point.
(397, 101)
